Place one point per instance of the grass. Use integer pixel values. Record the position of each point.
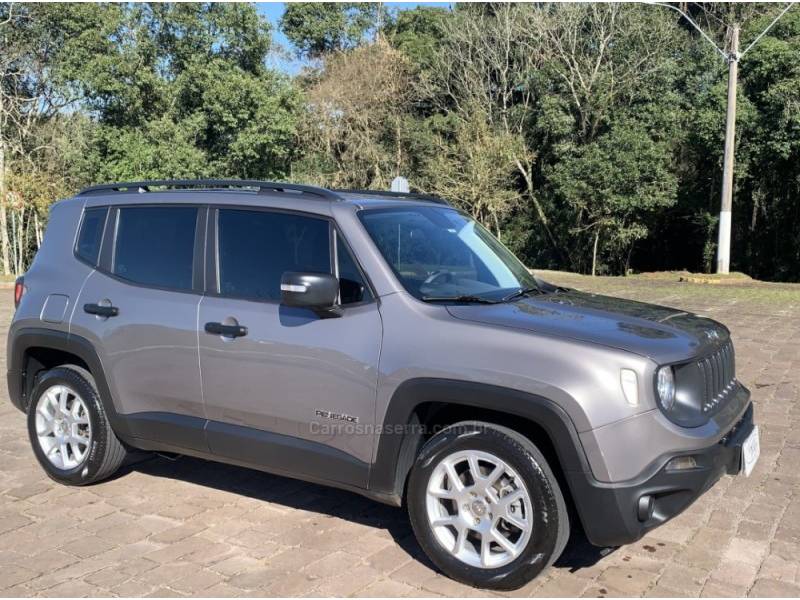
(679, 287)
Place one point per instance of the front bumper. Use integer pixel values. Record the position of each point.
(611, 513)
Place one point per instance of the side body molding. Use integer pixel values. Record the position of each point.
(396, 449)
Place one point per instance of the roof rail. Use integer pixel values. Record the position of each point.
(141, 187)
(390, 194)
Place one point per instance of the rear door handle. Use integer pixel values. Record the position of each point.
(233, 331)
(100, 310)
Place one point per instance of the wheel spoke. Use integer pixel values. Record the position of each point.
(485, 550)
(446, 520)
(494, 475)
(76, 450)
(510, 498)
(515, 520)
(474, 468)
(455, 481)
(442, 493)
(51, 404)
(62, 401)
(503, 541)
(44, 427)
(461, 537)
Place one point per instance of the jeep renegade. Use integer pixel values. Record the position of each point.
(379, 342)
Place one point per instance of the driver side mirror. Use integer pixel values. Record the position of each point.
(316, 291)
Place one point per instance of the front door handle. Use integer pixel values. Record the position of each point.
(100, 310)
(232, 331)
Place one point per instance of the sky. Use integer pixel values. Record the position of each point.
(289, 63)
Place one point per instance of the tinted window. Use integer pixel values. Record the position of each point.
(257, 247)
(352, 287)
(91, 234)
(155, 246)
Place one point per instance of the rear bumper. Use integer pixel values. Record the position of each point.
(611, 513)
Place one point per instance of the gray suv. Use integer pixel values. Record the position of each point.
(378, 342)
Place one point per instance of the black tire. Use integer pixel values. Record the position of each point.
(550, 530)
(106, 452)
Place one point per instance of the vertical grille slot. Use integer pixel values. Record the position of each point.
(717, 371)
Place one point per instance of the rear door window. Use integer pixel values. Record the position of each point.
(155, 245)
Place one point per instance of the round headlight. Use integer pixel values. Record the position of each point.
(665, 385)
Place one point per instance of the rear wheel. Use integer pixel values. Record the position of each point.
(486, 507)
(68, 428)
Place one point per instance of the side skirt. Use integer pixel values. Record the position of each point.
(251, 448)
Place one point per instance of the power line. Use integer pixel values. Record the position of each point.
(763, 33)
(695, 25)
(722, 52)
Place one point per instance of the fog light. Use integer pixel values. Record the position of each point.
(644, 509)
(681, 463)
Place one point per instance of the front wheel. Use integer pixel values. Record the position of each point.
(485, 506)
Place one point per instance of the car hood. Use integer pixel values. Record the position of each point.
(658, 332)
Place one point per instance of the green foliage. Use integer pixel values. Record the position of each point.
(616, 183)
(182, 89)
(588, 136)
(319, 27)
(417, 33)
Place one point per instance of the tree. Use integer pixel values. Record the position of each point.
(612, 185)
(38, 44)
(417, 33)
(610, 126)
(183, 90)
(484, 64)
(316, 28)
(475, 171)
(355, 116)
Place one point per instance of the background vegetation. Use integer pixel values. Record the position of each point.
(588, 137)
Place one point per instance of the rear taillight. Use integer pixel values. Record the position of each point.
(19, 290)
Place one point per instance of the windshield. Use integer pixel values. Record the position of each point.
(439, 253)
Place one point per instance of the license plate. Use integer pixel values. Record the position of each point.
(750, 452)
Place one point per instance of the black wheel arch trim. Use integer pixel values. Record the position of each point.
(36, 337)
(397, 450)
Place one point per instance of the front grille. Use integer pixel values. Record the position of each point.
(718, 372)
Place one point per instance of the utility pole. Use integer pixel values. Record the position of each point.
(732, 57)
(724, 241)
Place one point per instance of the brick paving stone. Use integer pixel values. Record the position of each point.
(196, 528)
(774, 588)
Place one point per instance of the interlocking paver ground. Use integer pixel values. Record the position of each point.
(190, 527)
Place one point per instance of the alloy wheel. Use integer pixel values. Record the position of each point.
(63, 427)
(479, 509)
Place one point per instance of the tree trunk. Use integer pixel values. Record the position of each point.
(539, 210)
(3, 215)
(594, 251)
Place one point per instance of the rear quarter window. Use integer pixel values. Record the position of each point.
(91, 234)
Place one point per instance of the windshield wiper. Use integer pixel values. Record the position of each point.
(522, 292)
(464, 298)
